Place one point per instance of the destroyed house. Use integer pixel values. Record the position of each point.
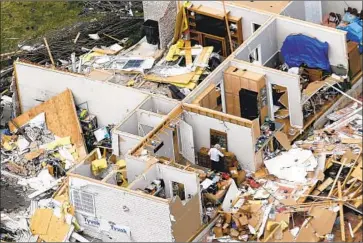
(264, 94)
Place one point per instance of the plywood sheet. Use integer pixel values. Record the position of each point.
(188, 53)
(40, 221)
(187, 218)
(323, 220)
(357, 172)
(61, 119)
(283, 140)
(57, 231)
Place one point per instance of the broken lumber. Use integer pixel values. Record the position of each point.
(341, 211)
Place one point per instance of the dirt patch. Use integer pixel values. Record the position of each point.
(12, 197)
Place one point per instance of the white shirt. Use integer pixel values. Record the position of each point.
(214, 154)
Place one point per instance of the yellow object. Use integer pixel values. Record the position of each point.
(7, 146)
(120, 179)
(187, 4)
(83, 114)
(131, 82)
(98, 165)
(173, 53)
(121, 164)
(89, 56)
(58, 142)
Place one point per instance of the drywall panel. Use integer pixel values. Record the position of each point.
(129, 124)
(135, 166)
(189, 179)
(339, 6)
(295, 9)
(249, 16)
(335, 38)
(145, 179)
(109, 102)
(239, 138)
(148, 118)
(167, 150)
(127, 142)
(148, 219)
(160, 105)
(290, 81)
(265, 39)
(313, 12)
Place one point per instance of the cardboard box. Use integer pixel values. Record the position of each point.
(241, 177)
(218, 231)
(233, 171)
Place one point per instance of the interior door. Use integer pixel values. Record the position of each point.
(187, 142)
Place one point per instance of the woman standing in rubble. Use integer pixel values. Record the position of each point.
(214, 154)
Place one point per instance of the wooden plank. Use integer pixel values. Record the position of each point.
(179, 79)
(341, 211)
(188, 53)
(337, 176)
(61, 119)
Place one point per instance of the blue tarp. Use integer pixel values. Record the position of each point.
(301, 49)
(354, 33)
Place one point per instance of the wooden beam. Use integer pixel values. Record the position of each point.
(341, 211)
(227, 25)
(356, 228)
(49, 52)
(337, 176)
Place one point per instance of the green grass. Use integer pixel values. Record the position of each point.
(23, 21)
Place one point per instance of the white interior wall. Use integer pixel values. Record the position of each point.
(145, 179)
(135, 166)
(313, 12)
(338, 6)
(295, 9)
(148, 118)
(160, 105)
(335, 38)
(147, 218)
(127, 141)
(239, 138)
(265, 37)
(189, 179)
(167, 150)
(129, 124)
(39, 83)
(290, 81)
(249, 16)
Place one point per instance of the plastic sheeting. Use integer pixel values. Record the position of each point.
(301, 49)
(354, 33)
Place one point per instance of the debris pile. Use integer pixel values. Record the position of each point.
(310, 193)
(35, 148)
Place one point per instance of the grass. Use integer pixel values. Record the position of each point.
(28, 20)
